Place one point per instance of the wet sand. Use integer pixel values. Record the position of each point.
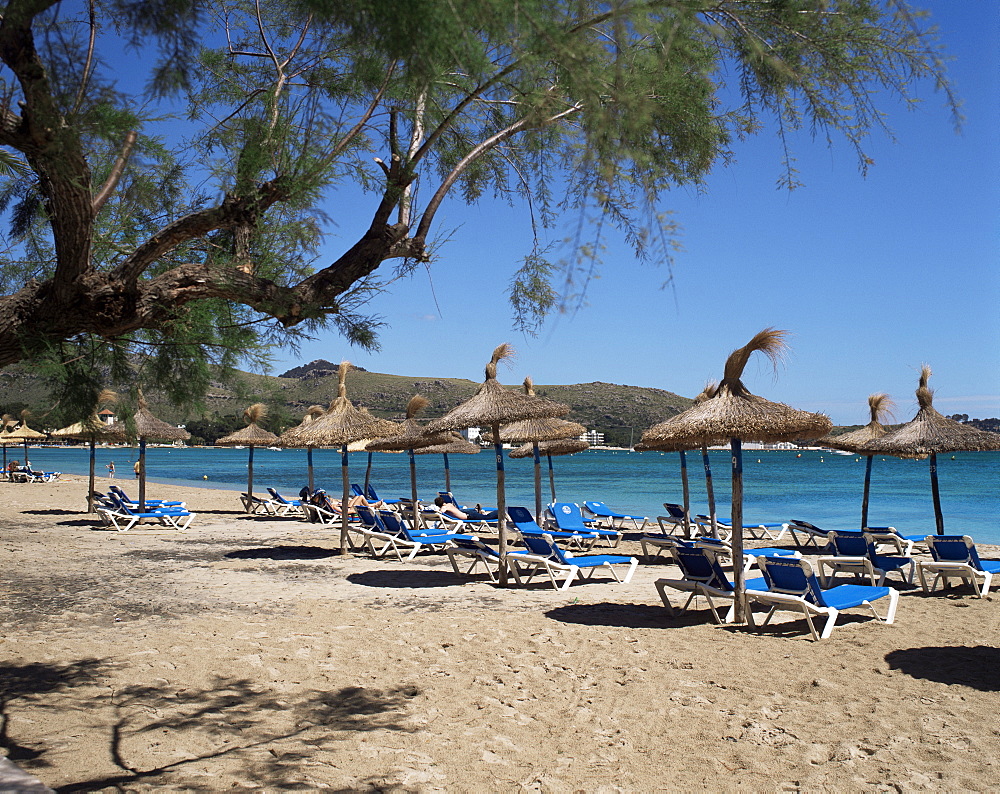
(245, 653)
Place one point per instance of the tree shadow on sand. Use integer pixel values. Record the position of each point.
(626, 616)
(32, 680)
(283, 553)
(237, 718)
(977, 667)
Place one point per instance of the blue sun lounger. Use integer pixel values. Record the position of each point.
(854, 553)
(956, 557)
(604, 514)
(569, 518)
(521, 518)
(544, 555)
(701, 575)
(792, 586)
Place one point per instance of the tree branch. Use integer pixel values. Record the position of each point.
(116, 173)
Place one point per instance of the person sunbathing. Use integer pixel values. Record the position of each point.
(320, 499)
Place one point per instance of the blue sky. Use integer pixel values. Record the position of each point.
(872, 276)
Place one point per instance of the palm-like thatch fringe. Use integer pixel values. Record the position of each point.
(492, 404)
(929, 432)
(410, 435)
(880, 405)
(537, 429)
(733, 412)
(341, 424)
(150, 428)
(562, 446)
(253, 435)
(455, 446)
(293, 436)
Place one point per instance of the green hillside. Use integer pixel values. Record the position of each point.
(620, 412)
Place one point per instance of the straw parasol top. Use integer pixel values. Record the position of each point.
(410, 435)
(92, 427)
(23, 433)
(341, 424)
(456, 446)
(654, 439)
(561, 446)
(292, 436)
(148, 426)
(540, 429)
(733, 412)
(881, 407)
(253, 435)
(493, 404)
(929, 432)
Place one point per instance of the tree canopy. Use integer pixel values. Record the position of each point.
(183, 220)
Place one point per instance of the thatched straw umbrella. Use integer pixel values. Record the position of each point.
(385, 428)
(651, 439)
(456, 446)
(297, 436)
(90, 430)
(147, 427)
(929, 433)
(24, 434)
(562, 446)
(880, 406)
(339, 426)
(253, 435)
(412, 436)
(535, 431)
(736, 415)
(7, 424)
(494, 405)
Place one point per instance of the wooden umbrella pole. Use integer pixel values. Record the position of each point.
(447, 474)
(737, 539)
(345, 499)
(552, 479)
(538, 483)
(687, 494)
(864, 499)
(501, 505)
(413, 490)
(142, 475)
(936, 493)
(709, 489)
(309, 463)
(250, 478)
(368, 475)
(90, 490)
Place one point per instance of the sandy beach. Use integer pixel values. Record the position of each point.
(245, 654)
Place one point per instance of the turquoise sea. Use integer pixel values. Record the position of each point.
(820, 487)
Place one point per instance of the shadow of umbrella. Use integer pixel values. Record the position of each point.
(735, 415)
(253, 435)
(493, 405)
(929, 433)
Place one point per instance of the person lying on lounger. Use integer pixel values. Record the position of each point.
(452, 511)
(320, 499)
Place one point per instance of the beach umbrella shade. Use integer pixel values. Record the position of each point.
(535, 431)
(295, 437)
(929, 433)
(253, 435)
(562, 446)
(339, 426)
(880, 407)
(651, 440)
(735, 415)
(410, 436)
(7, 424)
(457, 446)
(385, 428)
(146, 427)
(24, 434)
(493, 405)
(90, 430)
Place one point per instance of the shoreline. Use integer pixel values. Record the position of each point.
(244, 653)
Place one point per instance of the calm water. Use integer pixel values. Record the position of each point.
(823, 488)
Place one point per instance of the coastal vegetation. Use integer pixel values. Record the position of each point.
(174, 167)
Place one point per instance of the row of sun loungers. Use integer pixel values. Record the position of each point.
(117, 510)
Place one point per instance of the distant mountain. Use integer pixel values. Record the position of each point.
(622, 413)
(316, 369)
